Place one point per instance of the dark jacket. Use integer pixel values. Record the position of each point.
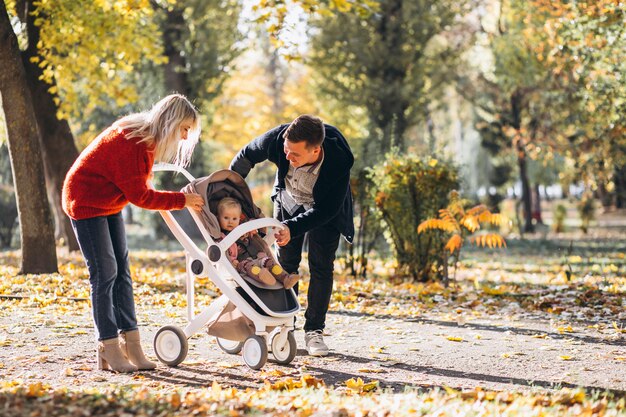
(331, 193)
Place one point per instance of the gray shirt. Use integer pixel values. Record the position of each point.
(299, 184)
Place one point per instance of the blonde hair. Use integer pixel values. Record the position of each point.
(160, 127)
(226, 203)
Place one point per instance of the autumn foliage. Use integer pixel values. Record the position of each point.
(406, 191)
(462, 223)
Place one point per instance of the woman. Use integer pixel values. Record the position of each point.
(111, 172)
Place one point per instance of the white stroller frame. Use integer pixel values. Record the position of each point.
(170, 342)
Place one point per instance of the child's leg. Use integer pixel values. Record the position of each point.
(274, 268)
(252, 269)
(288, 280)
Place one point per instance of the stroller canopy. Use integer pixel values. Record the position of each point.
(220, 184)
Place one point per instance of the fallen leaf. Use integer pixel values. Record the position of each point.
(371, 371)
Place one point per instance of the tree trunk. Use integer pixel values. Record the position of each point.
(537, 205)
(620, 187)
(526, 201)
(57, 141)
(36, 229)
(175, 69)
(520, 148)
(389, 105)
(606, 197)
(277, 82)
(129, 218)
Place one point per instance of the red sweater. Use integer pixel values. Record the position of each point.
(110, 173)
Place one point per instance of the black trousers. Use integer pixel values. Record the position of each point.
(323, 242)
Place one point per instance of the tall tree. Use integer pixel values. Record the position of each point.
(582, 45)
(392, 63)
(510, 109)
(200, 39)
(563, 64)
(64, 41)
(36, 230)
(57, 140)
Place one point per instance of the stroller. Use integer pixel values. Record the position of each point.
(249, 317)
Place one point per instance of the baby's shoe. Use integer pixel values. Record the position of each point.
(290, 280)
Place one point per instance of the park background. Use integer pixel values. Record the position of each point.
(517, 105)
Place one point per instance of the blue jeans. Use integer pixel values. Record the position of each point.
(102, 241)
(323, 243)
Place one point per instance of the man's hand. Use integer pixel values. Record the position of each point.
(283, 236)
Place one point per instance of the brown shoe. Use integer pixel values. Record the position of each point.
(131, 346)
(290, 280)
(111, 357)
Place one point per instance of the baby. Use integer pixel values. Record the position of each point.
(246, 255)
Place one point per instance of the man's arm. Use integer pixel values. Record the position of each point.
(260, 149)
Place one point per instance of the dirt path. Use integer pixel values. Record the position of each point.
(502, 354)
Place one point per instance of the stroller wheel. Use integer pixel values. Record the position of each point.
(229, 346)
(255, 352)
(284, 350)
(170, 345)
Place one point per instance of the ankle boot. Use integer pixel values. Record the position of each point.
(110, 356)
(131, 346)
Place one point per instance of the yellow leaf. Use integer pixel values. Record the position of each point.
(454, 243)
(175, 400)
(493, 291)
(450, 391)
(44, 348)
(489, 239)
(566, 358)
(567, 329)
(310, 381)
(36, 390)
(454, 338)
(371, 371)
(439, 224)
(470, 223)
(227, 365)
(355, 384)
(274, 373)
(477, 210)
(619, 330)
(370, 386)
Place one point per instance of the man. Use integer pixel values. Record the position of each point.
(312, 198)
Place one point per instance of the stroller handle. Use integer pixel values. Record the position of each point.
(171, 167)
(246, 227)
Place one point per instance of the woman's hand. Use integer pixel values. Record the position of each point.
(194, 201)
